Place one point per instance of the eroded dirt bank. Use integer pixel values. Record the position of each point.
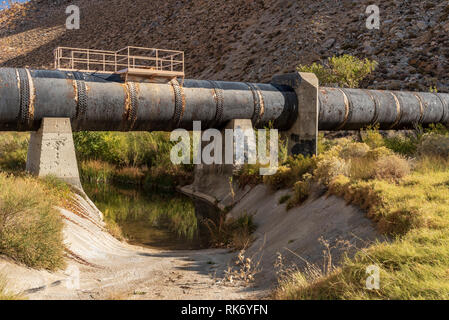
(110, 269)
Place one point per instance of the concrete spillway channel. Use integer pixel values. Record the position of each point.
(55, 103)
(106, 102)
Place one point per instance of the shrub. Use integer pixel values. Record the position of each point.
(301, 165)
(329, 168)
(114, 229)
(129, 175)
(106, 146)
(284, 198)
(231, 233)
(30, 226)
(301, 191)
(280, 179)
(249, 174)
(96, 172)
(292, 170)
(405, 146)
(391, 167)
(343, 71)
(377, 153)
(362, 168)
(354, 150)
(434, 145)
(324, 144)
(372, 137)
(437, 128)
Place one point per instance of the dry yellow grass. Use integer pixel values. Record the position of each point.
(30, 226)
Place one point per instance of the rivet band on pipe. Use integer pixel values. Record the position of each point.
(258, 103)
(179, 103)
(445, 106)
(219, 100)
(375, 118)
(81, 99)
(348, 109)
(26, 92)
(131, 107)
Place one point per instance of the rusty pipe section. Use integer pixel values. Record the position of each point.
(351, 109)
(99, 102)
(105, 102)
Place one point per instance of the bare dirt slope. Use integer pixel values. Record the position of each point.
(244, 40)
(300, 235)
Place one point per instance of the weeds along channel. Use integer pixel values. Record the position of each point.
(131, 179)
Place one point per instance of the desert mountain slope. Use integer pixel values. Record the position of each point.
(244, 40)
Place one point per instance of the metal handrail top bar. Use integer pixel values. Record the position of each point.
(148, 49)
(83, 49)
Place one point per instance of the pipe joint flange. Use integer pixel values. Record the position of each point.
(179, 102)
(259, 105)
(27, 97)
(219, 101)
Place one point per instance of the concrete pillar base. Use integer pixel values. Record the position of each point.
(213, 186)
(303, 135)
(51, 151)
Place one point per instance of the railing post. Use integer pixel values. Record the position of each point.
(128, 58)
(88, 62)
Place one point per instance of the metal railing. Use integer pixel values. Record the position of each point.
(139, 60)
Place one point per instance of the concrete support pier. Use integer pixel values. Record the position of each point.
(303, 135)
(213, 188)
(51, 151)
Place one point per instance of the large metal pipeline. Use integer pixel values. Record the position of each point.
(100, 102)
(350, 109)
(105, 102)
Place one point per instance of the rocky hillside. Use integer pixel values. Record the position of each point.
(245, 40)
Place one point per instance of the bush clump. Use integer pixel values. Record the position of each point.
(377, 153)
(434, 145)
(301, 191)
(343, 71)
(354, 150)
(391, 167)
(280, 179)
(403, 145)
(236, 233)
(292, 170)
(329, 168)
(30, 226)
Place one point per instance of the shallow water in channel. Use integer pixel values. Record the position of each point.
(146, 218)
